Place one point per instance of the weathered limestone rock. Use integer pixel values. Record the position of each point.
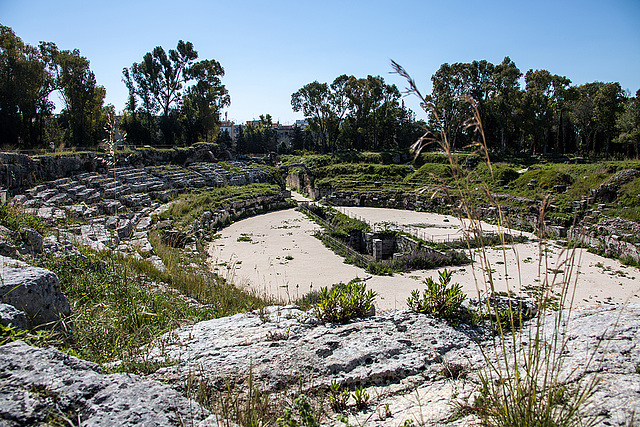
(33, 241)
(282, 344)
(9, 315)
(7, 248)
(616, 236)
(608, 190)
(33, 290)
(40, 385)
(400, 357)
(156, 261)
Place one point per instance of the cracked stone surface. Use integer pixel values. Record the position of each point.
(400, 357)
(43, 384)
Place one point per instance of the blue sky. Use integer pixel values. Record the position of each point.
(269, 49)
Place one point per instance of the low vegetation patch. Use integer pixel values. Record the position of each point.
(116, 309)
(15, 219)
(189, 207)
(440, 299)
(420, 260)
(342, 303)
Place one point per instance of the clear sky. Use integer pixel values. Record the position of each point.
(270, 49)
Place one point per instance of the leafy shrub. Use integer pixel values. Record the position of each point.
(299, 415)
(439, 299)
(338, 398)
(343, 302)
(361, 397)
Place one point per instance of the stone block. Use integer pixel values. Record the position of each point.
(41, 382)
(11, 316)
(33, 290)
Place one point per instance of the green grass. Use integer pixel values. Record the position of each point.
(115, 309)
(190, 207)
(120, 304)
(15, 219)
(431, 172)
(204, 286)
(312, 160)
(629, 202)
(360, 173)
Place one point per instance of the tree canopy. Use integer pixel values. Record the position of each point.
(547, 115)
(176, 98)
(28, 76)
(353, 113)
(187, 93)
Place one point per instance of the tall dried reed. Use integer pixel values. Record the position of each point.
(524, 381)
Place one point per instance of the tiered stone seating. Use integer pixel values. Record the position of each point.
(214, 174)
(178, 177)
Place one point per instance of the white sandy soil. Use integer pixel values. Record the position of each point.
(281, 257)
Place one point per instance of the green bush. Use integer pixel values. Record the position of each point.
(439, 299)
(299, 415)
(545, 179)
(428, 171)
(343, 302)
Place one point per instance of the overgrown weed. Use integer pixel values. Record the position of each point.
(343, 302)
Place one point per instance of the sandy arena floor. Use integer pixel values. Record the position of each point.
(276, 253)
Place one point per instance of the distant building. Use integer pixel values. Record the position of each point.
(231, 128)
(283, 132)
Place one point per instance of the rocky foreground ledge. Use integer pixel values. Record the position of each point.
(400, 356)
(43, 386)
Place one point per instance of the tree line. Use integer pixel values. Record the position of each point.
(356, 113)
(173, 98)
(547, 115)
(28, 76)
(176, 98)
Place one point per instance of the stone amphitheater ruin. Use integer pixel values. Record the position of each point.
(399, 355)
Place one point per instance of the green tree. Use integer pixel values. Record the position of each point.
(258, 136)
(608, 104)
(166, 81)
(595, 111)
(83, 98)
(373, 113)
(450, 84)
(500, 119)
(542, 103)
(582, 115)
(629, 127)
(297, 138)
(324, 106)
(25, 85)
(224, 139)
